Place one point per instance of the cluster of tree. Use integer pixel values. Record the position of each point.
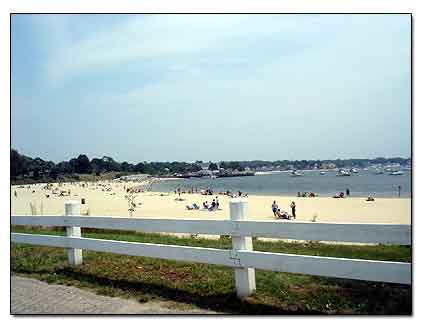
(234, 165)
(22, 166)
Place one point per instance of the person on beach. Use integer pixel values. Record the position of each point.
(16, 194)
(274, 208)
(217, 203)
(347, 192)
(293, 210)
(213, 205)
(399, 191)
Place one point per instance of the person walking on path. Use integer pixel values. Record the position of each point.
(293, 210)
(274, 208)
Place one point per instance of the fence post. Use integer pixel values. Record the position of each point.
(72, 208)
(245, 280)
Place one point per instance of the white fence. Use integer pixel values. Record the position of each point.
(242, 257)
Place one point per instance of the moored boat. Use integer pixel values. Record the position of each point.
(396, 173)
(343, 173)
(295, 173)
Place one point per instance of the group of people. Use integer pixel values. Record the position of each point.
(278, 213)
(341, 194)
(304, 194)
(213, 206)
(232, 195)
(207, 191)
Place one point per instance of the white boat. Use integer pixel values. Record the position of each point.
(343, 173)
(322, 172)
(354, 170)
(378, 171)
(295, 173)
(396, 173)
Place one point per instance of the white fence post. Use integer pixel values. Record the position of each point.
(245, 279)
(72, 208)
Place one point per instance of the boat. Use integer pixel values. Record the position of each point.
(322, 172)
(354, 170)
(343, 173)
(295, 173)
(396, 173)
(378, 171)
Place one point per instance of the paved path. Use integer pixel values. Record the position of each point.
(30, 296)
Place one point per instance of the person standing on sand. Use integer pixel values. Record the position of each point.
(16, 194)
(274, 208)
(293, 210)
(347, 192)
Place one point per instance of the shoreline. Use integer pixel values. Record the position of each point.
(110, 199)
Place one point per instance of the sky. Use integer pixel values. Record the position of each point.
(211, 87)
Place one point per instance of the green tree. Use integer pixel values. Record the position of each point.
(213, 166)
(82, 164)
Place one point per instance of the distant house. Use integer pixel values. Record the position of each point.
(329, 165)
(204, 165)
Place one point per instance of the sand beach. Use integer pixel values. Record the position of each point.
(108, 198)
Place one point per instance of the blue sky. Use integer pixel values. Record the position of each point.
(211, 87)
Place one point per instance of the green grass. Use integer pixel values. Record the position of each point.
(213, 287)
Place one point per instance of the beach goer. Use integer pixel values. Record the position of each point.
(347, 192)
(298, 194)
(217, 202)
(213, 205)
(399, 191)
(341, 194)
(16, 194)
(293, 210)
(274, 208)
(282, 214)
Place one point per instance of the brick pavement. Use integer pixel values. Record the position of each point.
(30, 296)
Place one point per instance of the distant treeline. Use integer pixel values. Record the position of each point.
(26, 168)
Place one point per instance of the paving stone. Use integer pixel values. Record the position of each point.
(30, 296)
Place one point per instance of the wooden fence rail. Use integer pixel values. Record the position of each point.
(241, 257)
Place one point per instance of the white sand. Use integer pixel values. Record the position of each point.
(163, 205)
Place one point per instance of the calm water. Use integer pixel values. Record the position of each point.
(362, 184)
